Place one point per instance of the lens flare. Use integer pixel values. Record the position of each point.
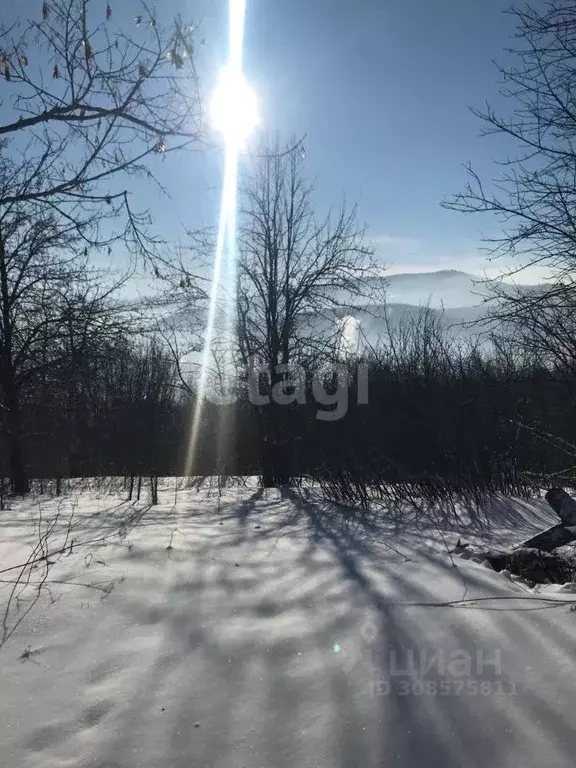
(234, 113)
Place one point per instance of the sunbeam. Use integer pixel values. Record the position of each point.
(233, 112)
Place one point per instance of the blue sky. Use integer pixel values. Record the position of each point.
(381, 88)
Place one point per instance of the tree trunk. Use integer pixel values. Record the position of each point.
(275, 460)
(18, 477)
(153, 489)
(276, 456)
(13, 435)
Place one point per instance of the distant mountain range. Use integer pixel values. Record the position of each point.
(445, 289)
(458, 297)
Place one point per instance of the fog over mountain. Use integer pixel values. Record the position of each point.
(458, 297)
(447, 289)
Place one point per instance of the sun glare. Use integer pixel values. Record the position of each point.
(234, 108)
(234, 113)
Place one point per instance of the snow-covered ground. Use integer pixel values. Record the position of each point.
(250, 629)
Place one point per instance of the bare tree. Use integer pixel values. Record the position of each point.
(86, 106)
(295, 271)
(38, 264)
(534, 197)
(92, 322)
(539, 321)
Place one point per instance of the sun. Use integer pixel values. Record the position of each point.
(234, 108)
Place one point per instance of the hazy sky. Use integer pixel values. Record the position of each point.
(381, 88)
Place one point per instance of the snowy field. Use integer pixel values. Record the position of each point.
(246, 629)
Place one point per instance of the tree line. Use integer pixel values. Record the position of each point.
(439, 411)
